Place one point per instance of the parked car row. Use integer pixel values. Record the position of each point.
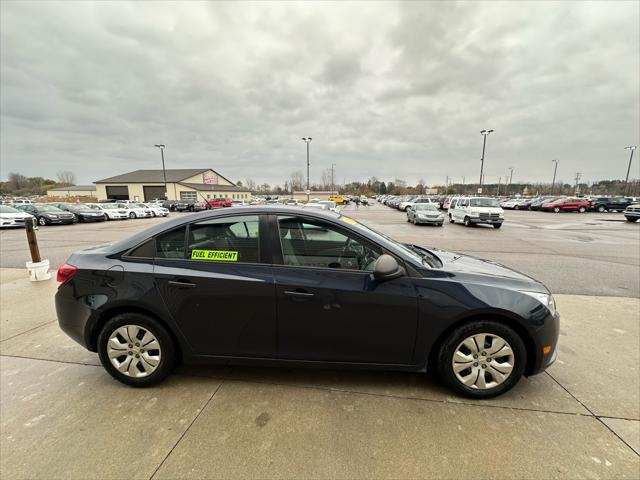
(62, 213)
(563, 203)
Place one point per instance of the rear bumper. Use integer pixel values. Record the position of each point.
(73, 316)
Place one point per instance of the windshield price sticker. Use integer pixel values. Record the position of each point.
(217, 255)
(348, 220)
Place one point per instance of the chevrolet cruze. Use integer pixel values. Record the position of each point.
(271, 285)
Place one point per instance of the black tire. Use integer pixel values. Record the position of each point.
(467, 222)
(132, 215)
(42, 221)
(440, 224)
(632, 220)
(497, 225)
(516, 207)
(602, 209)
(448, 347)
(556, 209)
(582, 210)
(451, 220)
(167, 358)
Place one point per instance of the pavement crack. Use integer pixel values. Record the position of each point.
(30, 330)
(597, 417)
(186, 430)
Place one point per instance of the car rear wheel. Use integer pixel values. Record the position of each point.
(482, 359)
(602, 209)
(136, 350)
(582, 209)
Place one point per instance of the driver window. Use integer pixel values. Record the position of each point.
(313, 243)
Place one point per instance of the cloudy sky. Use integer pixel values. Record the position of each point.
(385, 89)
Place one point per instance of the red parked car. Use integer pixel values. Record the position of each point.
(216, 203)
(570, 204)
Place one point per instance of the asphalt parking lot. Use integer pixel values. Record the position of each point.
(62, 416)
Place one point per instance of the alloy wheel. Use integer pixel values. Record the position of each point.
(483, 361)
(134, 351)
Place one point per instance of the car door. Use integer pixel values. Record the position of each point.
(215, 279)
(329, 306)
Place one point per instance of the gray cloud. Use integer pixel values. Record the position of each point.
(385, 89)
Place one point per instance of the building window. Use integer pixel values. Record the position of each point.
(189, 196)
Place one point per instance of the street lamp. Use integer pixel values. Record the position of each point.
(484, 134)
(164, 173)
(333, 166)
(632, 148)
(307, 141)
(555, 169)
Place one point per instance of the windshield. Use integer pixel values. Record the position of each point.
(425, 206)
(328, 203)
(48, 208)
(483, 202)
(6, 209)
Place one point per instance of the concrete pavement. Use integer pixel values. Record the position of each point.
(62, 416)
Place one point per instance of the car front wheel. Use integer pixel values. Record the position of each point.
(482, 359)
(467, 222)
(42, 221)
(582, 209)
(136, 350)
(556, 209)
(602, 209)
(132, 215)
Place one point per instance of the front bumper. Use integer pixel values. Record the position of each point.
(92, 218)
(487, 221)
(632, 215)
(434, 220)
(61, 221)
(547, 335)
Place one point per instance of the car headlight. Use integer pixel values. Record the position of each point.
(473, 213)
(53, 216)
(545, 299)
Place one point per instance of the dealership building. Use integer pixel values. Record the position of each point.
(181, 184)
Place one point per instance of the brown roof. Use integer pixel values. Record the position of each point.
(154, 176)
(214, 188)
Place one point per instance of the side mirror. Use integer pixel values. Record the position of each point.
(386, 268)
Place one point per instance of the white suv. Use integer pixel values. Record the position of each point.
(474, 210)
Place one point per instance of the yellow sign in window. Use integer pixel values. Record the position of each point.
(217, 255)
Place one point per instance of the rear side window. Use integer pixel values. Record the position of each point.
(171, 244)
(228, 239)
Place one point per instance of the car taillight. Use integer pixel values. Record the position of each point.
(65, 273)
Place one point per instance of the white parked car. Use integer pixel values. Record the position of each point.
(157, 210)
(404, 206)
(475, 210)
(136, 210)
(21, 201)
(510, 204)
(111, 210)
(12, 217)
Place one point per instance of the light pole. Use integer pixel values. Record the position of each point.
(164, 173)
(626, 181)
(484, 134)
(510, 177)
(333, 165)
(555, 169)
(307, 140)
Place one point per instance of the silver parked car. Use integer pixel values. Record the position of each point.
(425, 213)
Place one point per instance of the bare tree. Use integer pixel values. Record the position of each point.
(326, 179)
(18, 180)
(297, 181)
(250, 184)
(65, 177)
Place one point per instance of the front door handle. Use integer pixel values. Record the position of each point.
(181, 284)
(298, 294)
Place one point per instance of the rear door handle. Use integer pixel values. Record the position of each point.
(181, 284)
(296, 294)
